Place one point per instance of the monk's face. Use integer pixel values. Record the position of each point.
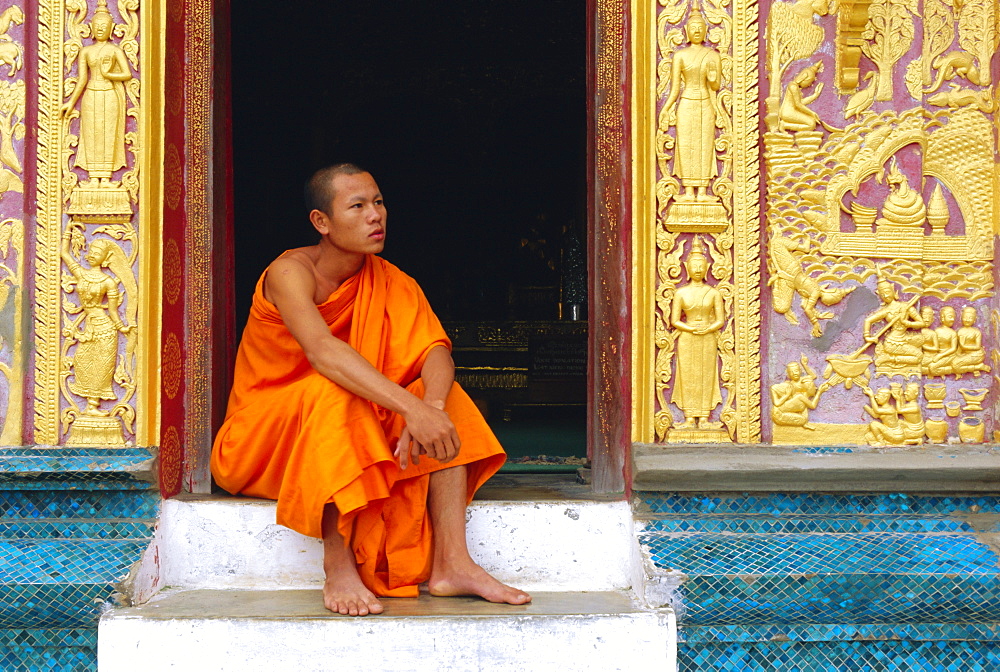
(355, 223)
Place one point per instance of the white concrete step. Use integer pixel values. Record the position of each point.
(245, 631)
(554, 545)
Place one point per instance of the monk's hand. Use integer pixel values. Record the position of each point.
(407, 449)
(431, 427)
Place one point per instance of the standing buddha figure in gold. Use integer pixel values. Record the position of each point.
(102, 71)
(698, 312)
(695, 78)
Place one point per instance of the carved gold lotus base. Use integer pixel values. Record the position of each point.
(87, 430)
(100, 203)
(698, 436)
(696, 216)
(821, 433)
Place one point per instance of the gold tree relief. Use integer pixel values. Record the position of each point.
(939, 33)
(791, 35)
(978, 34)
(12, 97)
(888, 35)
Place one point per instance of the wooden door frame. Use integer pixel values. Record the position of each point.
(202, 231)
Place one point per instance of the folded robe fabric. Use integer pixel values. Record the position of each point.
(292, 435)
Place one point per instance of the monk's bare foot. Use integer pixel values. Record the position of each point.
(345, 594)
(471, 579)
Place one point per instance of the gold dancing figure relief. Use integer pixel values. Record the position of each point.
(698, 312)
(104, 291)
(103, 70)
(96, 358)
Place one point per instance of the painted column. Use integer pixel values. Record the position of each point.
(97, 266)
(13, 261)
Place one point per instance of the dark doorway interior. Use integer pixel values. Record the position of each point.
(472, 117)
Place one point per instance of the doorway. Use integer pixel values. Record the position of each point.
(472, 116)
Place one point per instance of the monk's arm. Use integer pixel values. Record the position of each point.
(290, 287)
(438, 374)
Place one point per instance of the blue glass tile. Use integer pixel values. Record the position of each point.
(812, 503)
(810, 632)
(78, 504)
(780, 554)
(47, 528)
(894, 656)
(764, 523)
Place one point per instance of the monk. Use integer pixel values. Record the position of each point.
(344, 409)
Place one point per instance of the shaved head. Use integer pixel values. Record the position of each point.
(319, 188)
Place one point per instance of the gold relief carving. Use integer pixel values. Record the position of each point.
(96, 366)
(11, 53)
(973, 398)
(171, 271)
(171, 366)
(897, 417)
(898, 350)
(888, 36)
(792, 399)
(852, 20)
(978, 34)
(970, 357)
(693, 78)
(698, 177)
(12, 100)
(12, 238)
(698, 313)
(957, 153)
(102, 82)
(794, 114)
(939, 33)
(87, 319)
(791, 35)
(787, 278)
(173, 176)
(11, 307)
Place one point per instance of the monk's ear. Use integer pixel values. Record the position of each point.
(320, 221)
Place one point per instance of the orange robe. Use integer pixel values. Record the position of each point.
(295, 436)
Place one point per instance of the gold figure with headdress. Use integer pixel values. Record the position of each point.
(698, 312)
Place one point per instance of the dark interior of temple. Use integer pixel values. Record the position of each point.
(472, 118)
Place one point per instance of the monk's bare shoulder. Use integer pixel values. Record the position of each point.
(294, 272)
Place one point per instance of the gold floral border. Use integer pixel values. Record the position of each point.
(51, 201)
(744, 229)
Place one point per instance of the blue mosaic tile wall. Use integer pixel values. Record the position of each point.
(72, 523)
(808, 582)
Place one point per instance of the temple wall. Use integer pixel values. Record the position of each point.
(13, 261)
(80, 216)
(849, 298)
